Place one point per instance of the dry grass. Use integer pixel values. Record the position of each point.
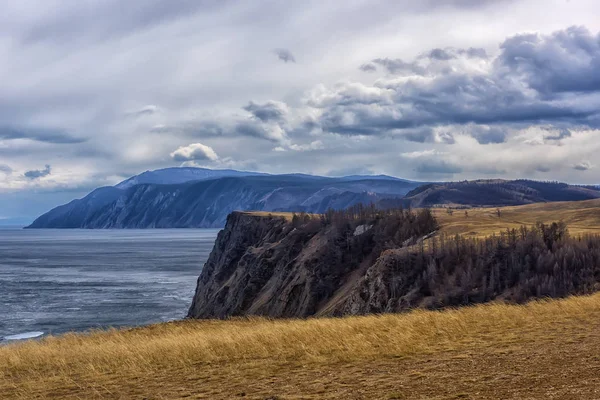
(287, 215)
(580, 216)
(547, 349)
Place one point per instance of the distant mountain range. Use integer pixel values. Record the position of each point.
(202, 198)
(496, 192)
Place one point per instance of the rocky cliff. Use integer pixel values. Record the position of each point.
(361, 261)
(269, 265)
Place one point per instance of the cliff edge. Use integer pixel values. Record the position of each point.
(361, 261)
(312, 265)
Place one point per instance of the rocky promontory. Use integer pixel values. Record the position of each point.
(333, 264)
(361, 260)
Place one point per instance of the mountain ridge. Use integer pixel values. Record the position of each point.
(202, 198)
(205, 203)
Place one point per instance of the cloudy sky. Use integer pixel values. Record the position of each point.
(94, 91)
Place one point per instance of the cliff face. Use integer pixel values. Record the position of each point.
(268, 266)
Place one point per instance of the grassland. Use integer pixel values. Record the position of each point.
(546, 349)
(580, 216)
(287, 215)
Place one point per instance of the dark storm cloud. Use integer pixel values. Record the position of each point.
(542, 168)
(419, 135)
(452, 53)
(368, 67)
(285, 55)
(256, 130)
(501, 97)
(269, 111)
(47, 135)
(38, 173)
(566, 61)
(438, 167)
(583, 166)
(561, 134)
(488, 135)
(441, 54)
(398, 66)
(474, 52)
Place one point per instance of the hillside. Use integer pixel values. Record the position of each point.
(205, 203)
(496, 193)
(543, 350)
(581, 217)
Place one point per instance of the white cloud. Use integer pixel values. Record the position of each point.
(421, 154)
(315, 145)
(194, 152)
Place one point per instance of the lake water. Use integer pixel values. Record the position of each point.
(55, 281)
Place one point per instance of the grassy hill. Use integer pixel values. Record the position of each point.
(546, 349)
(580, 216)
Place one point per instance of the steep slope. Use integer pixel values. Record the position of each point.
(206, 203)
(71, 215)
(269, 266)
(349, 263)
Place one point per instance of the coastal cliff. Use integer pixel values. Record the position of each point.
(272, 266)
(361, 261)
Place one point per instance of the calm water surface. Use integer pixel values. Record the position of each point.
(54, 281)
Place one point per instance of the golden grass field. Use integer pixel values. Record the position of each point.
(580, 216)
(542, 350)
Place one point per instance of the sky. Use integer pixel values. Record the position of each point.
(95, 91)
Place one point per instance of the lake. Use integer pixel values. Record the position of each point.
(55, 281)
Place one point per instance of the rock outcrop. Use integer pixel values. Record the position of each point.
(267, 265)
(362, 261)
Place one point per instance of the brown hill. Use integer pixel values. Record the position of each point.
(581, 217)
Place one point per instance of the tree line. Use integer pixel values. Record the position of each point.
(516, 265)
